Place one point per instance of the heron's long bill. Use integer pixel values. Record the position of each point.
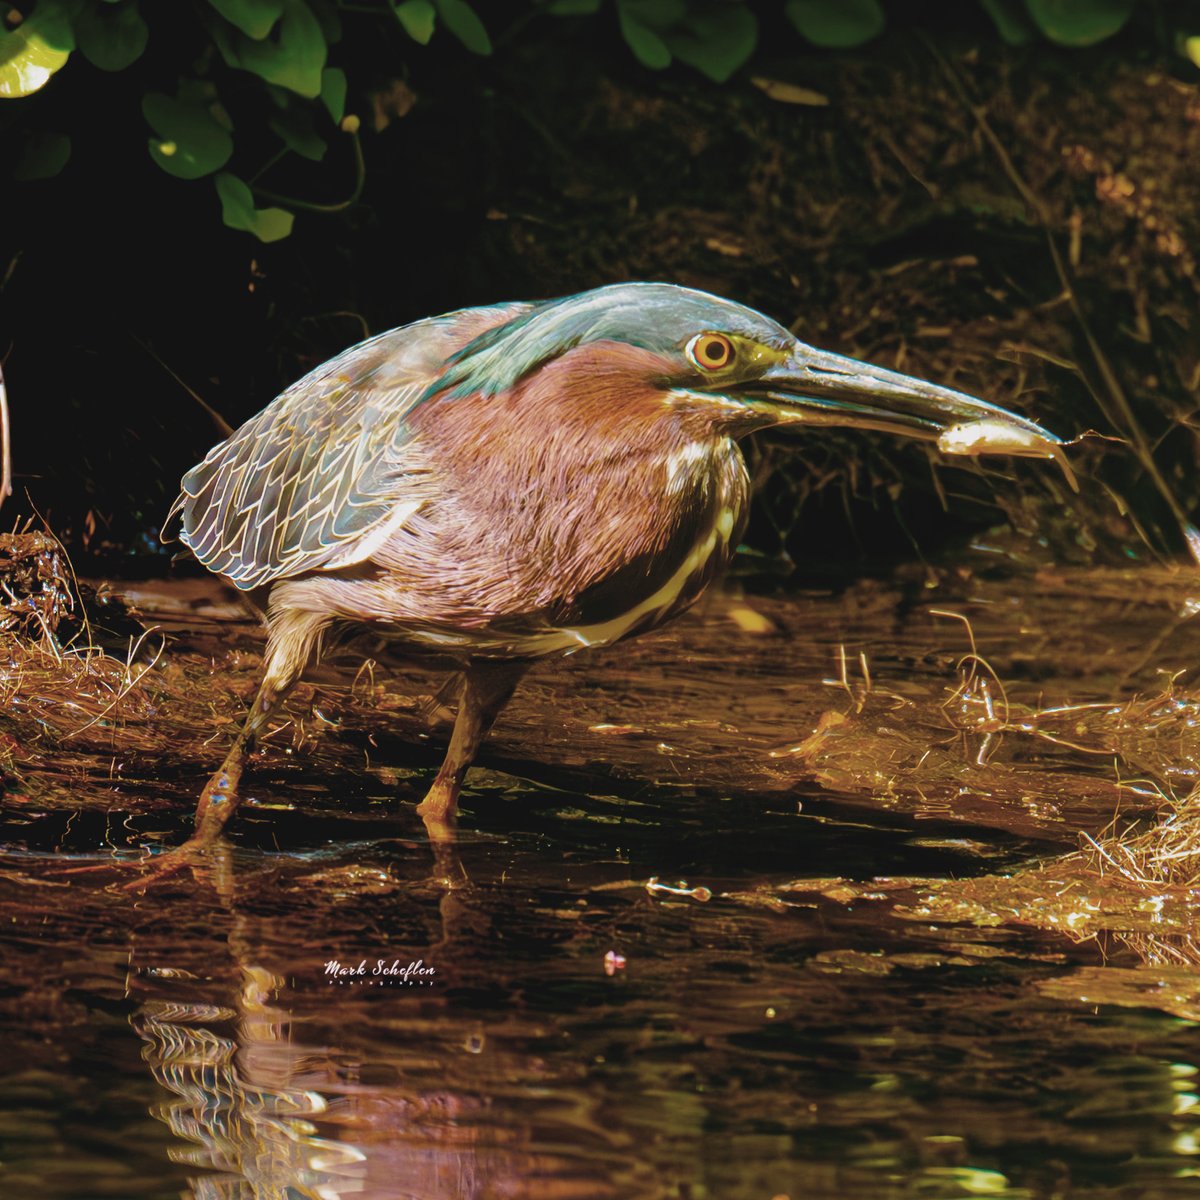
(814, 387)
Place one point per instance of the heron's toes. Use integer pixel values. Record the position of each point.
(140, 873)
(439, 812)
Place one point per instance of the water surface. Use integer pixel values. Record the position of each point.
(758, 906)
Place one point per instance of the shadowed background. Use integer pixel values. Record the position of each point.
(891, 201)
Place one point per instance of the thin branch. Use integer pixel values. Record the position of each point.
(360, 178)
(1116, 393)
(219, 421)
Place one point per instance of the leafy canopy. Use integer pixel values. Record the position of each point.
(288, 51)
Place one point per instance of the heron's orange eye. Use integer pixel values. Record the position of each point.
(710, 351)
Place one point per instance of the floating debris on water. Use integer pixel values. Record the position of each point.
(613, 962)
(680, 889)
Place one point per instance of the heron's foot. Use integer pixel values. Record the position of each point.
(439, 811)
(156, 868)
(201, 853)
(217, 804)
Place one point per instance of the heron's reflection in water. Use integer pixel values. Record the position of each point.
(237, 1100)
(262, 1115)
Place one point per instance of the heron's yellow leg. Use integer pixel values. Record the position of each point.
(487, 687)
(293, 637)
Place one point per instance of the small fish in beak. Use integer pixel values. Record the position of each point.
(815, 387)
(975, 438)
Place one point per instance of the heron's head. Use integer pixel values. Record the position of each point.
(712, 357)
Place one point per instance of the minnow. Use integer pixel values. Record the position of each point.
(997, 437)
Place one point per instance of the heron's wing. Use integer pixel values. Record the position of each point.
(326, 472)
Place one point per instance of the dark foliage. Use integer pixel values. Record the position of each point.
(898, 201)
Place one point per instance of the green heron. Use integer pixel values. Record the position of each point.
(505, 483)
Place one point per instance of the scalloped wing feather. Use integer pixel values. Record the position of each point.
(327, 472)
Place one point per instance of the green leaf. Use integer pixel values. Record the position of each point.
(293, 57)
(111, 38)
(460, 18)
(418, 18)
(659, 15)
(238, 211)
(272, 224)
(1079, 22)
(1011, 21)
(190, 142)
(333, 91)
(648, 48)
(1191, 47)
(573, 8)
(326, 12)
(237, 200)
(293, 124)
(255, 18)
(836, 24)
(44, 156)
(716, 40)
(37, 48)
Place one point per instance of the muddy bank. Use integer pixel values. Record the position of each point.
(952, 703)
